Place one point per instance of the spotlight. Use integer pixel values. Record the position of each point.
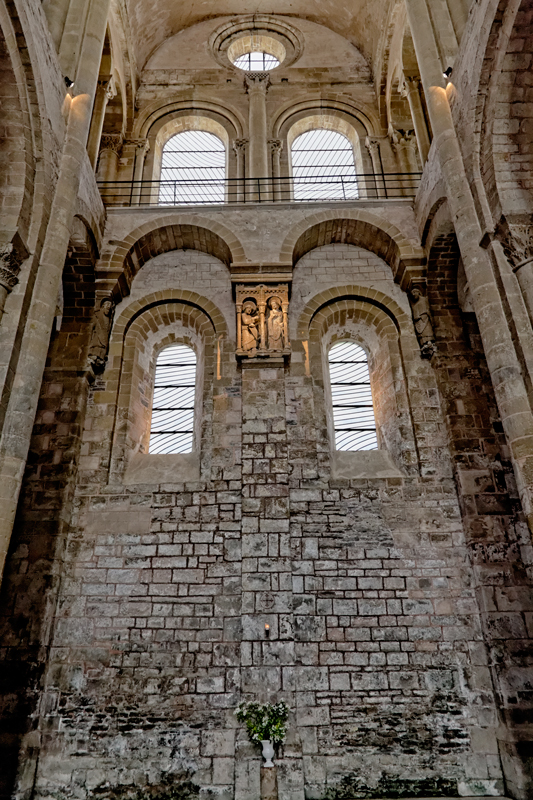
(68, 83)
(448, 73)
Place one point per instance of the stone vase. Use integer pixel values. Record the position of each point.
(268, 753)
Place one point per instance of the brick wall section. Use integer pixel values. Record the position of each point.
(30, 588)
(165, 590)
(496, 533)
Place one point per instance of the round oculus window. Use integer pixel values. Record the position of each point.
(256, 62)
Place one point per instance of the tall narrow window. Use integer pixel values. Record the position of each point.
(193, 169)
(353, 411)
(172, 428)
(323, 166)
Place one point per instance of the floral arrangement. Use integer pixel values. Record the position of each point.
(264, 720)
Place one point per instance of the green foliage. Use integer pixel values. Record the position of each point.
(264, 720)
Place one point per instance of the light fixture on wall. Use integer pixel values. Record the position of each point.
(448, 73)
(68, 83)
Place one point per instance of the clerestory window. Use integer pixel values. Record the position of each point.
(354, 421)
(323, 166)
(193, 169)
(172, 429)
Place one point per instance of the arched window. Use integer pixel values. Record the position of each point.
(172, 429)
(193, 169)
(323, 166)
(354, 422)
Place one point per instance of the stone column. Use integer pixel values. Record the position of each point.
(257, 84)
(262, 311)
(56, 12)
(276, 147)
(459, 15)
(501, 356)
(105, 92)
(20, 413)
(517, 244)
(404, 146)
(377, 187)
(239, 146)
(110, 149)
(411, 90)
(444, 32)
(142, 147)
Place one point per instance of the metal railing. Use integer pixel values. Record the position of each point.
(306, 189)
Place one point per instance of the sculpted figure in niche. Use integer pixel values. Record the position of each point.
(423, 324)
(249, 329)
(274, 325)
(100, 333)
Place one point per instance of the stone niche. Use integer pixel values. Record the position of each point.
(262, 321)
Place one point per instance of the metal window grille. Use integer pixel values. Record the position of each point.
(256, 62)
(172, 427)
(353, 410)
(193, 169)
(323, 167)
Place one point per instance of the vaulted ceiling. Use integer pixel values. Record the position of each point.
(362, 22)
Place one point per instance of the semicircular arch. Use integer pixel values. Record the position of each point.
(390, 315)
(361, 115)
(362, 229)
(170, 232)
(155, 112)
(17, 179)
(139, 307)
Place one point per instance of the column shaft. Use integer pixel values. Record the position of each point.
(412, 91)
(499, 349)
(238, 192)
(276, 146)
(257, 84)
(104, 93)
(34, 346)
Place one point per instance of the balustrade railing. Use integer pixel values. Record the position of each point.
(305, 189)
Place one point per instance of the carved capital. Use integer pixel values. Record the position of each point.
(372, 144)
(140, 144)
(276, 146)
(112, 141)
(411, 83)
(240, 145)
(257, 82)
(402, 138)
(517, 240)
(10, 263)
(106, 86)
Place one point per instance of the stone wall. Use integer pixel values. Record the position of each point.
(165, 588)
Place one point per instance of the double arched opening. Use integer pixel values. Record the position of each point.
(201, 156)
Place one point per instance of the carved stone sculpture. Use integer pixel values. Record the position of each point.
(274, 325)
(262, 321)
(517, 240)
(249, 326)
(100, 333)
(10, 261)
(423, 323)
